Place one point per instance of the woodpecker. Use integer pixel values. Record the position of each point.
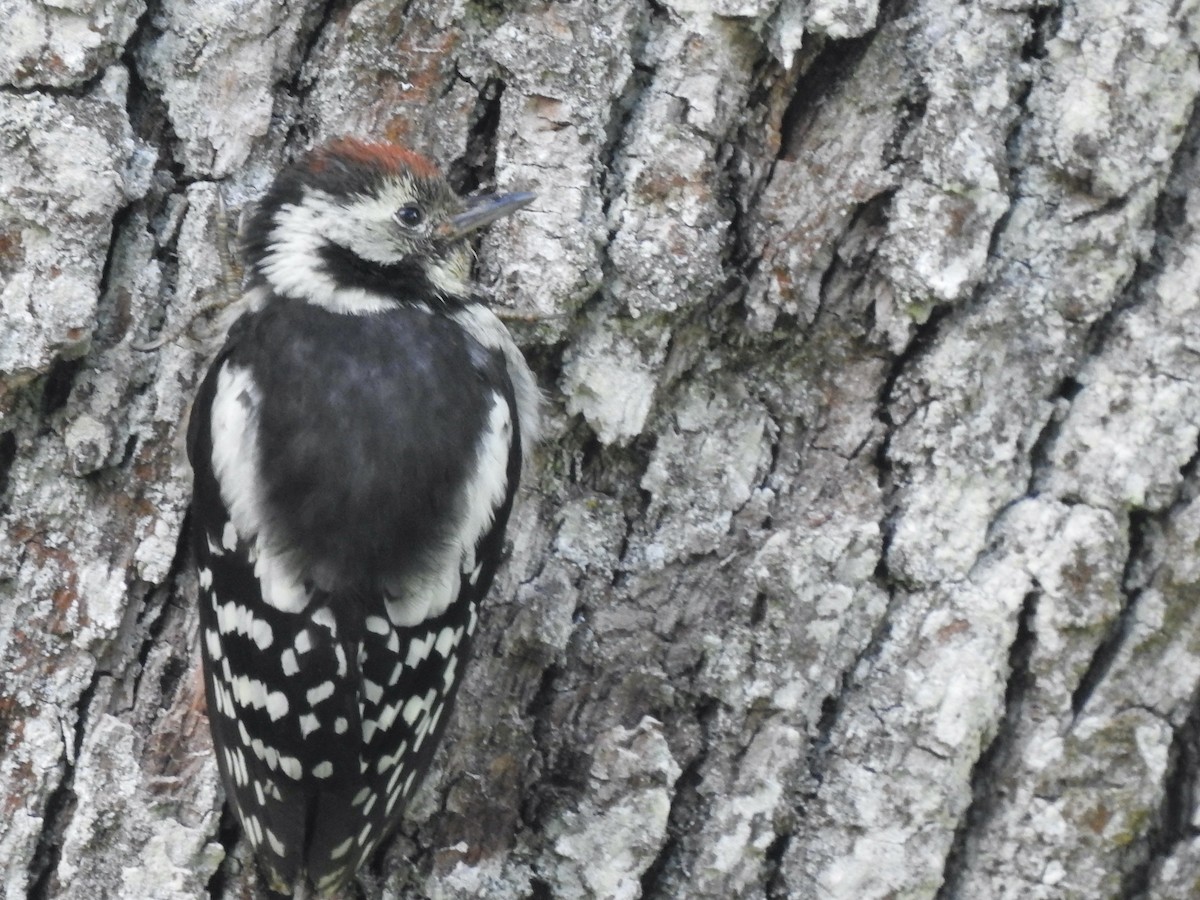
(356, 446)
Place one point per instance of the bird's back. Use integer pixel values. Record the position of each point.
(338, 599)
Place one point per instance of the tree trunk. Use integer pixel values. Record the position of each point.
(860, 557)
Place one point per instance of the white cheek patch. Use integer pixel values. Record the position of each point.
(431, 593)
(367, 226)
(292, 263)
(364, 225)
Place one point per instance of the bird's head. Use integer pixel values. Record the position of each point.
(358, 227)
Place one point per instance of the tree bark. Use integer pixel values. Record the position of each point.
(860, 557)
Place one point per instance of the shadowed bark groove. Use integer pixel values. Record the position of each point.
(985, 780)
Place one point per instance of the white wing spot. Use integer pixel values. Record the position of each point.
(413, 708)
(385, 762)
(340, 725)
(276, 843)
(290, 766)
(229, 537)
(218, 701)
(277, 705)
(228, 696)
(308, 724)
(422, 730)
(303, 642)
(287, 659)
(258, 830)
(445, 641)
(388, 716)
(206, 578)
(416, 707)
(323, 769)
(261, 633)
(399, 769)
(324, 617)
(378, 625)
(419, 650)
(253, 829)
(436, 715)
(331, 879)
(213, 640)
(322, 691)
(233, 617)
(342, 849)
(243, 777)
(247, 691)
(373, 691)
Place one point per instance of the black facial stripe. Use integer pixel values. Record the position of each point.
(404, 280)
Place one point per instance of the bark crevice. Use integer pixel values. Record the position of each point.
(987, 773)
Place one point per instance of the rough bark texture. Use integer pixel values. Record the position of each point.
(860, 560)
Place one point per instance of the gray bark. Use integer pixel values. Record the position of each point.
(860, 558)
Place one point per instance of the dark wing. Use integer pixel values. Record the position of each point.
(274, 666)
(410, 670)
(326, 706)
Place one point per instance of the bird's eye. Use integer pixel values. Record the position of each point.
(410, 216)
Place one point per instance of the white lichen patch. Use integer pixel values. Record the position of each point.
(603, 848)
(63, 43)
(60, 187)
(215, 65)
(611, 378)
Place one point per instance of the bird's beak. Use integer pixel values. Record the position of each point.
(483, 209)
